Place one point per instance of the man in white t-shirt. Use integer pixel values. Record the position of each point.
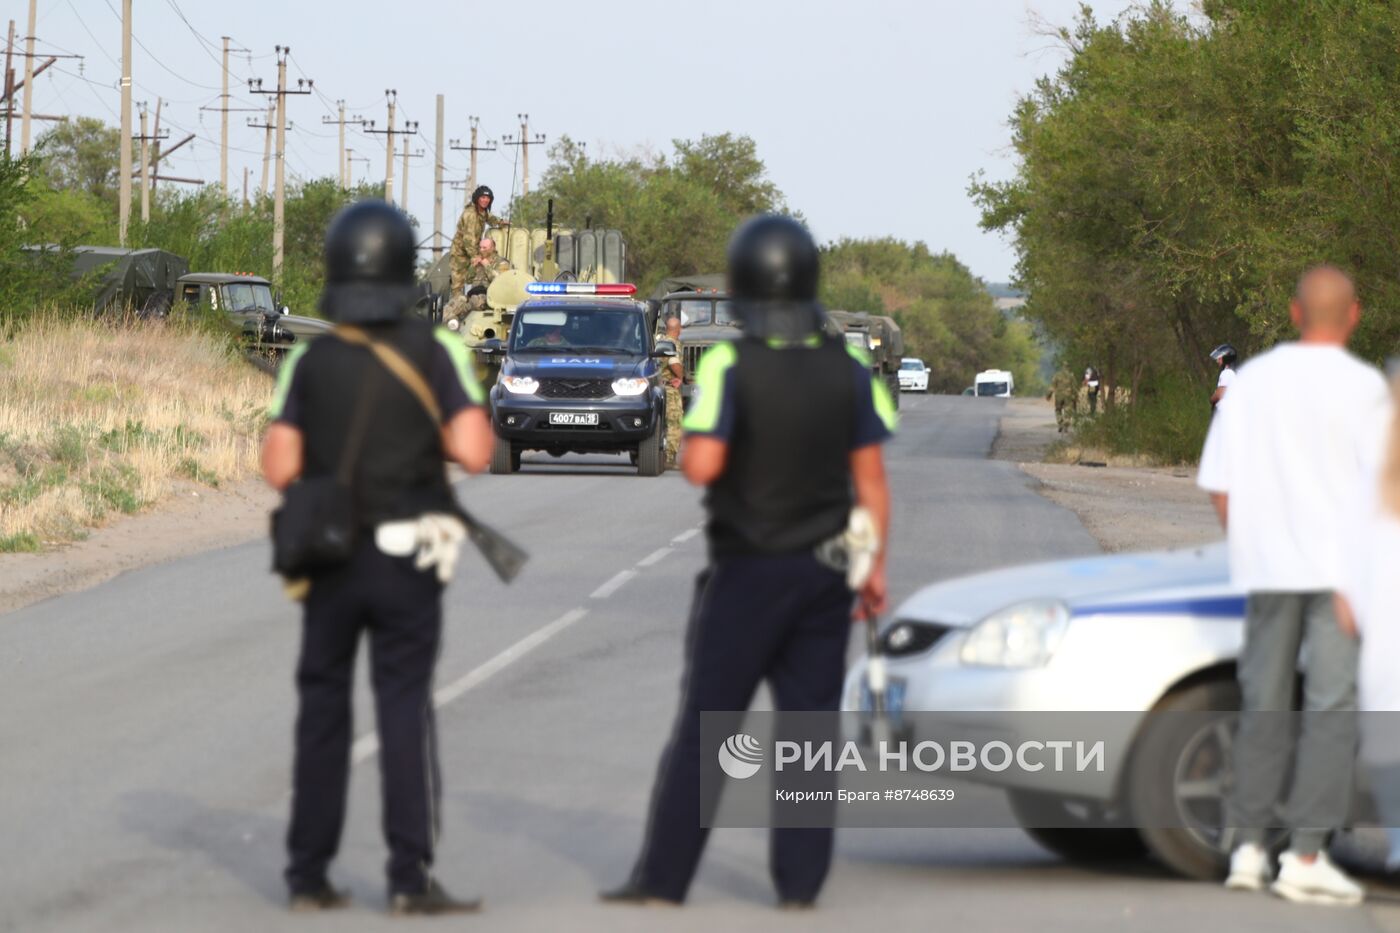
(1281, 462)
(1225, 357)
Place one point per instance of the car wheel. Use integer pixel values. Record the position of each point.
(1180, 777)
(651, 455)
(1090, 843)
(505, 457)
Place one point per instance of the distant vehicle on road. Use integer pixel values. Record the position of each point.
(579, 375)
(994, 383)
(877, 335)
(707, 318)
(913, 375)
(1127, 633)
(970, 390)
(269, 329)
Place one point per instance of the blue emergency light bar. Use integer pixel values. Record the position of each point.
(581, 288)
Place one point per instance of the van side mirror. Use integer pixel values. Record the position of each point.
(664, 348)
(490, 346)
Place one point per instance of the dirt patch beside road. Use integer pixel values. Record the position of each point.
(1125, 508)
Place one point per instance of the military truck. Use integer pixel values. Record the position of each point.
(141, 281)
(268, 328)
(879, 336)
(707, 317)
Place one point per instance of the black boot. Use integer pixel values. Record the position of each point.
(322, 898)
(635, 895)
(435, 900)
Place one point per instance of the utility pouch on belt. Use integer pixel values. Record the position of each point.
(852, 552)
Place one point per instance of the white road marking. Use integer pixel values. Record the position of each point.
(685, 536)
(367, 746)
(654, 557)
(613, 585)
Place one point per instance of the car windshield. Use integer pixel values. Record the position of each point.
(594, 330)
(248, 296)
(991, 388)
(858, 338)
(696, 311)
(913, 365)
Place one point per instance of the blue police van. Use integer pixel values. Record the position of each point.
(580, 375)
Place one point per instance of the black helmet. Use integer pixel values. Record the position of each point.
(482, 189)
(1224, 354)
(773, 267)
(370, 255)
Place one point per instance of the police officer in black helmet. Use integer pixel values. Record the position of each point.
(341, 410)
(785, 435)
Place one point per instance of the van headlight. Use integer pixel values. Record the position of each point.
(1024, 635)
(630, 386)
(520, 385)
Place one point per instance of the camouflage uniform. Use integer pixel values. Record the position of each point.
(466, 242)
(674, 404)
(1065, 388)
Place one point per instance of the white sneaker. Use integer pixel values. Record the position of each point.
(1315, 882)
(1249, 868)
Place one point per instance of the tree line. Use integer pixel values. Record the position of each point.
(1178, 173)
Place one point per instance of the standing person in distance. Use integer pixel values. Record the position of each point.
(672, 377)
(339, 405)
(785, 435)
(466, 247)
(1091, 384)
(1225, 358)
(1281, 463)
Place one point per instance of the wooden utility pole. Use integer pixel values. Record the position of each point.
(224, 110)
(124, 157)
(28, 78)
(9, 87)
(304, 86)
(473, 149)
(410, 128)
(437, 181)
(525, 141)
(268, 125)
(403, 201)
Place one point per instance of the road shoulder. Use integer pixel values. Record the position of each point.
(1124, 508)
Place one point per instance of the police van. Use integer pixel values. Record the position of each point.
(579, 374)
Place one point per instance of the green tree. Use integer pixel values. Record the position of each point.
(81, 154)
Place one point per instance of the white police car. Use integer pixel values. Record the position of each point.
(1127, 632)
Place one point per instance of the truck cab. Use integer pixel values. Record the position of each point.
(249, 302)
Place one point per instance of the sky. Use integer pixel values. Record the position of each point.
(871, 116)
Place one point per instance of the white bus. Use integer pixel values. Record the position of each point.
(994, 383)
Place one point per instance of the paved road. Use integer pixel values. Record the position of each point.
(145, 732)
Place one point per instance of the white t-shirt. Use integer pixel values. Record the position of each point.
(1290, 442)
(1227, 378)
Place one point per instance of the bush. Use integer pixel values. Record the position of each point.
(1167, 421)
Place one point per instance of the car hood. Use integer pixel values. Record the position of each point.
(309, 326)
(1118, 582)
(566, 365)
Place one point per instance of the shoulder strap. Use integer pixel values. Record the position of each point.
(398, 365)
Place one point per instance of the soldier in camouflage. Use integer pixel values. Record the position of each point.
(466, 243)
(672, 375)
(1064, 389)
(487, 264)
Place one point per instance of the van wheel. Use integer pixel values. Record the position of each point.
(651, 456)
(505, 457)
(1092, 842)
(1180, 777)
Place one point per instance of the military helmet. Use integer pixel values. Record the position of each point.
(1224, 354)
(773, 268)
(482, 189)
(370, 254)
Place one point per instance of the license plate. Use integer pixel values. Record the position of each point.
(573, 417)
(894, 697)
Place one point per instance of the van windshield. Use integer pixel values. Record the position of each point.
(992, 388)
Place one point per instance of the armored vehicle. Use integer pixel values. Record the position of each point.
(878, 336)
(267, 328)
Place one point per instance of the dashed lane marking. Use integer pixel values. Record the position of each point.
(685, 536)
(654, 557)
(613, 585)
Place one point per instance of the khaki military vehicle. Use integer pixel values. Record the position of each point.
(878, 336)
(268, 327)
(706, 315)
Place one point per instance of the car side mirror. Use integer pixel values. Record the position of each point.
(664, 348)
(490, 346)
(286, 310)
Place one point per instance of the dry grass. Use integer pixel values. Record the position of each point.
(97, 420)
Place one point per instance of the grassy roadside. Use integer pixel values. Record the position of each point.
(98, 420)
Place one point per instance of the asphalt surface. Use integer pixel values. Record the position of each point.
(145, 732)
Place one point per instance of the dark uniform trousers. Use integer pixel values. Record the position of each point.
(786, 619)
(401, 608)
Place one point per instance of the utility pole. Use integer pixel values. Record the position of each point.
(268, 125)
(304, 86)
(28, 78)
(437, 182)
(341, 120)
(124, 157)
(224, 110)
(155, 142)
(145, 169)
(350, 160)
(524, 141)
(245, 187)
(9, 87)
(403, 201)
(410, 128)
(473, 149)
